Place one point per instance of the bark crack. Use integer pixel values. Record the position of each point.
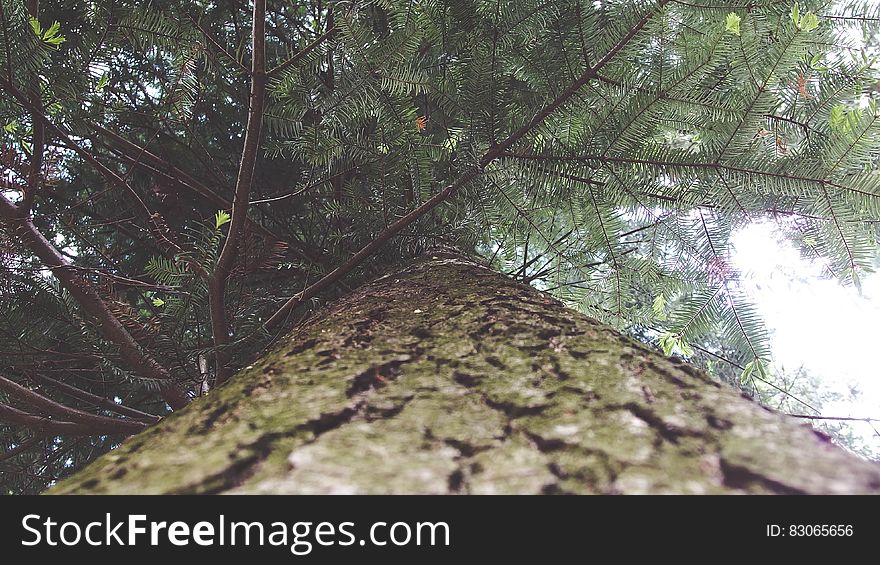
(743, 478)
(260, 449)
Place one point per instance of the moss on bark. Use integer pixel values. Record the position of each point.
(448, 378)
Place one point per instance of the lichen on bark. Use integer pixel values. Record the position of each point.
(446, 377)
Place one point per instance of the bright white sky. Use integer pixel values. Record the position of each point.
(829, 329)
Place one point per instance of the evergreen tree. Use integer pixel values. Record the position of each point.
(184, 181)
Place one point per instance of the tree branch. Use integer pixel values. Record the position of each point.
(145, 159)
(493, 153)
(87, 156)
(219, 47)
(53, 408)
(21, 448)
(835, 418)
(302, 53)
(6, 48)
(243, 185)
(110, 327)
(98, 401)
(38, 133)
(686, 165)
(48, 426)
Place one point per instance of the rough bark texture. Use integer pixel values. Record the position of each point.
(448, 378)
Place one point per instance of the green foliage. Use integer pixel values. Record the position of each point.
(808, 22)
(102, 83)
(659, 308)
(672, 343)
(49, 36)
(731, 23)
(621, 202)
(221, 218)
(751, 366)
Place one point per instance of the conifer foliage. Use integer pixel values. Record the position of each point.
(184, 180)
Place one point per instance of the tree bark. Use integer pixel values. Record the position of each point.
(446, 377)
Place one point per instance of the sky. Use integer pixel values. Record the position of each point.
(830, 330)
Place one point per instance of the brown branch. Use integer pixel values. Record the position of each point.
(94, 399)
(381, 238)
(302, 53)
(219, 47)
(493, 153)
(863, 19)
(87, 156)
(135, 359)
(46, 426)
(143, 158)
(6, 48)
(38, 131)
(685, 165)
(125, 281)
(62, 202)
(243, 185)
(66, 413)
(21, 448)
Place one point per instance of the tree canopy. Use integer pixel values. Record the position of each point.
(185, 180)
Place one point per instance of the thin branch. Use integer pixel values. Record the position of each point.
(837, 418)
(38, 131)
(243, 185)
(21, 448)
(87, 156)
(219, 47)
(53, 408)
(94, 399)
(157, 165)
(740, 367)
(133, 357)
(46, 426)
(610, 247)
(849, 253)
(862, 19)
(687, 165)
(302, 53)
(761, 90)
(470, 174)
(6, 41)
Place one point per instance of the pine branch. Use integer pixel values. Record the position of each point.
(98, 401)
(6, 48)
(837, 226)
(243, 185)
(472, 173)
(739, 322)
(275, 71)
(690, 165)
(21, 448)
(133, 357)
(610, 248)
(762, 88)
(47, 426)
(838, 418)
(90, 158)
(157, 165)
(219, 47)
(521, 213)
(66, 413)
(38, 133)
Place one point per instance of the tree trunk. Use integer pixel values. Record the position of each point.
(446, 377)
